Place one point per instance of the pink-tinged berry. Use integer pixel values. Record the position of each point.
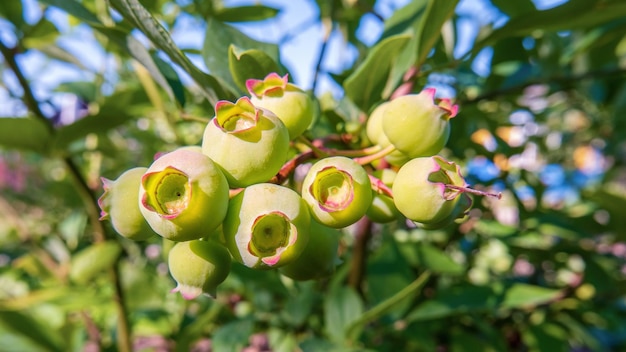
(416, 125)
(338, 191)
(183, 195)
(198, 267)
(291, 104)
(267, 226)
(249, 144)
(319, 258)
(119, 205)
(428, 190)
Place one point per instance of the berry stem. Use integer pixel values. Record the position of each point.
(289, 166)
(475, 191)
(378, 155)
(379, 187)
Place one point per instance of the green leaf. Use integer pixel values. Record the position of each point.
(437, 261)
(429, 30)
(546, 337)
(135, 13)
(85, 90)
(525, 296)
(571, 15)
(217, 43)
(246, 64)
(113, 113)
(404, 19)
(172, 79)
(232, 337)
(341, 307)
(13, 11)
(75, 9)
(365, 86)
(246, 13)
(21, 332)
(514, 8)
(41, 34)
(24, 133)
(456, 300)
(91, 261)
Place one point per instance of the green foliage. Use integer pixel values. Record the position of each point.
(542, 120)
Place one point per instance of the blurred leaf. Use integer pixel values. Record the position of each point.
(42, 34)
(56, 52)
(246, 64)
(492, 228)
(573, 14)
(215, 51)
(85, 90)
(75, 9)
(429, 30)
(342, 306)
(437, 261)
(527, 296)
(404, 18)
(92, 260)
(365, 86)
(388, 273)
(32, 298)
(456, 300)
(177, 88)
(299, 307)
(546, 337)
(13, 11)
(246, 13)
(24, 133)
(469, 342)
(135, 13)
(113, 113)
(20, 332)
(514, 8)
(232, 336)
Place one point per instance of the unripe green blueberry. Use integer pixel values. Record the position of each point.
(183, 195)
(291, 104)
(459, 214)
(376, 135)
(198, 267)
(338, 191)
(250, 145)
(267, 226)
(417, 126)
(319, 258)
(119, 205)
(420, 192)
(383, 209)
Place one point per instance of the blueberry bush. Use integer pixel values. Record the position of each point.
(459, 184)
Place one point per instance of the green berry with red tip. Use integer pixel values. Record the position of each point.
(267, 226)
(319, 258)
(383, 209)
(183, 195)
(338, 191)
(416, 125)
(421, 192)
(291, 104)
(198, 267)
(249, 144)
(119, 205)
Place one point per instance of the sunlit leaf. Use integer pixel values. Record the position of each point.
(246, 64)
(246, 13)
(525, 296)
(93, 260)
(24, 133)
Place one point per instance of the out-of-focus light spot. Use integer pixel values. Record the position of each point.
(553, 140)
(521, 117)
(483, 169)
(512, 135)
(552, 175)
(575, 120)
(602, 217)
(589, 160)
(484, 138)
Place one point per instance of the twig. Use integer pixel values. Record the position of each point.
(363, 234)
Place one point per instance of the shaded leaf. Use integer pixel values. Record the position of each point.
(245, 13)
(514, 8)
(342, 306)
(232, 336)
(92, 260)
(456, 300)
(13, 11)
(215, 50)
(173, 81)
(20, 332)
(524, 296)
(246, 64)
(24, 133)
(437, 261)
(429, 30)
(135, 13)
(43, 33)
(365, 86)
(75, 9)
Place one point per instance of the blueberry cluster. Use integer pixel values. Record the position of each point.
(230, 199)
